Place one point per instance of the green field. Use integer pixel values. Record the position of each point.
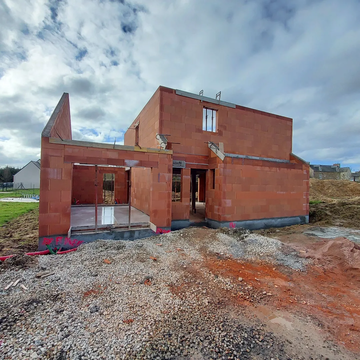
(10, 210)
(19, 193)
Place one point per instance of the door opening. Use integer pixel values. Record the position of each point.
(197, 191)
(109, 188)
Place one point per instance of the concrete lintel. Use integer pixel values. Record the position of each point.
(204, 98)
(108, 146)
(237, 156)
(215, 149)
(261, 223)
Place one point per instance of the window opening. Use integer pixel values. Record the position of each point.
(209, 120)
(212, 178)
(137, 134)
(109, 188)
(176, 185)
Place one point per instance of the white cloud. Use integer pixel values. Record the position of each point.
(296, 60)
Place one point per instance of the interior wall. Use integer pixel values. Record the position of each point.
(140, 189)
(181, 209)
(83, 185)
(83, 189)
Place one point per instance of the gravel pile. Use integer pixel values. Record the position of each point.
(242, 244)
(146, 299)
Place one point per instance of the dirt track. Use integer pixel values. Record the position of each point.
(196, 293)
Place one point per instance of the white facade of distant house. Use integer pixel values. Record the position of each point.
(28, 177)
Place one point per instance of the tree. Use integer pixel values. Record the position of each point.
(7, 173)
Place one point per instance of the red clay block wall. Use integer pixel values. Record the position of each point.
(83, 185)
(214, 195)
(120, 185)
(55, 190)
(148, 120)
(140, 189)
(62, 125)
(181, 209)
(250, 189)
(243, 131)
(160, 192)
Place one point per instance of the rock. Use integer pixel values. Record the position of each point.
(93, 309)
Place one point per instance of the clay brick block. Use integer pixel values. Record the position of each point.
(55, 162)
(43, 230)
(53, 150)
(59, 207)
(58, 229)
(44, 183)
(43, 207)
(58, 185)
(54, 173)
(50, 196)
(66, 196)
(49, 219)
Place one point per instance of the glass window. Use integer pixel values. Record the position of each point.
(209, 120)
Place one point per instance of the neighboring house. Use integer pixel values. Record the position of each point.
(345, 173)
(184, 156)
(330, 172)
(355, 176)
(28, 177)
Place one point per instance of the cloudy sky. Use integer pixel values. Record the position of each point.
(297, 58)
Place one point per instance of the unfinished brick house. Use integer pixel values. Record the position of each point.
(230, 163)
(186, 159)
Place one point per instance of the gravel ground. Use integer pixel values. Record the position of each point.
(146, 299)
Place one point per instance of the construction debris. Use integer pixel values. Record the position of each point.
(8, 286)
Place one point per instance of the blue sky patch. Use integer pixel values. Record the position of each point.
(81, 54)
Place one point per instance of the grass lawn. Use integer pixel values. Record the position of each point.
(9, 211)
(19, 193)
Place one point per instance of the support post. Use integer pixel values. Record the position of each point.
(193, 191)
(96, 197)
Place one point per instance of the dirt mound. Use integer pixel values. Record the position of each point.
(20, 261)
(339, 253)
(340, 213)
(20, 235)
(332, 190)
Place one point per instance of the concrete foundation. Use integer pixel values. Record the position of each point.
(260, 223)
(65, 243)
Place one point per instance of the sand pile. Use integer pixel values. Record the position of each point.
(332, 190)
(340, 254)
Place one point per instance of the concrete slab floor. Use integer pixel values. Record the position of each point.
(200, 212)
(82, 216)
